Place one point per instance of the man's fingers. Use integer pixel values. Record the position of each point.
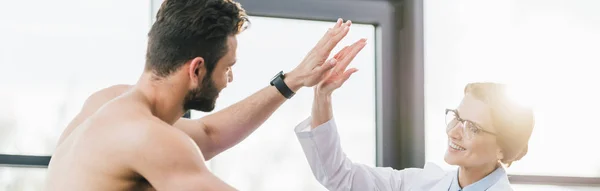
(339, 54)
(327, 66)
(339, 22)
(337, 36)
(334, 40)
(330, 33)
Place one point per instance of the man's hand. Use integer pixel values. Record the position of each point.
(311, 69)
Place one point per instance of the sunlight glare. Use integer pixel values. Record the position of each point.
(522, 95)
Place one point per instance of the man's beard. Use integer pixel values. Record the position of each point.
(203, 97)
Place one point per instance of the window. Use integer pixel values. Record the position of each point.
(546, 50)
(54, 55)
(272, 156)
(552, 188)
(23, 179)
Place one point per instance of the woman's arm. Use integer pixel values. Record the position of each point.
(321, 144)
(334, 170)
(330, 165)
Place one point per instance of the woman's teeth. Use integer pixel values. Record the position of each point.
(454, 146)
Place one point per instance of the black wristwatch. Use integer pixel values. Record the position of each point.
(278, 82)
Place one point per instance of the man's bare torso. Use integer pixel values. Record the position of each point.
(95, 152)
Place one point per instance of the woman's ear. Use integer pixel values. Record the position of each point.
(196, 71)
(499, 154)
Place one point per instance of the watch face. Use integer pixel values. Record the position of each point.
(276, 76)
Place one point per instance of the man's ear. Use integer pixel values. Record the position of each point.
(196, 71)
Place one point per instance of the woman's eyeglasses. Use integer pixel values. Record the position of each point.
(470, 129)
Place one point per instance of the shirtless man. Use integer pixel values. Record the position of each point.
(133, 137)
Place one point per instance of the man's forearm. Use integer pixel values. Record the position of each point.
(233, 124)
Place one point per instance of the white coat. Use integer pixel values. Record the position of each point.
(335, 171)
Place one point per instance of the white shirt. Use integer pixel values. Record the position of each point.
(335, 171)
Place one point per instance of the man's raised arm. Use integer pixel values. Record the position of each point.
(231, 125)
(219, 131)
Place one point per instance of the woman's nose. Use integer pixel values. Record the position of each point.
(456, 131)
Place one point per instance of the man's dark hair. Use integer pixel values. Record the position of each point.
(185, 29)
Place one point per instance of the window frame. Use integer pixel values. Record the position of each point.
(555, 180)
(381, 15)
(8, 160)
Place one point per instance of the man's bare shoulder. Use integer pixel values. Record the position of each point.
(159, 142)
(97, 100)
(104, 95)
(125, 133)
(92, 104)
(151, 133)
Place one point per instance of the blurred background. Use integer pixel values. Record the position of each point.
(420, 55)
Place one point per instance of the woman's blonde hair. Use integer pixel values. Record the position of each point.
(513, 122)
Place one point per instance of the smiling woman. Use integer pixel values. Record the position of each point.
(545, 51)
(486, 128)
